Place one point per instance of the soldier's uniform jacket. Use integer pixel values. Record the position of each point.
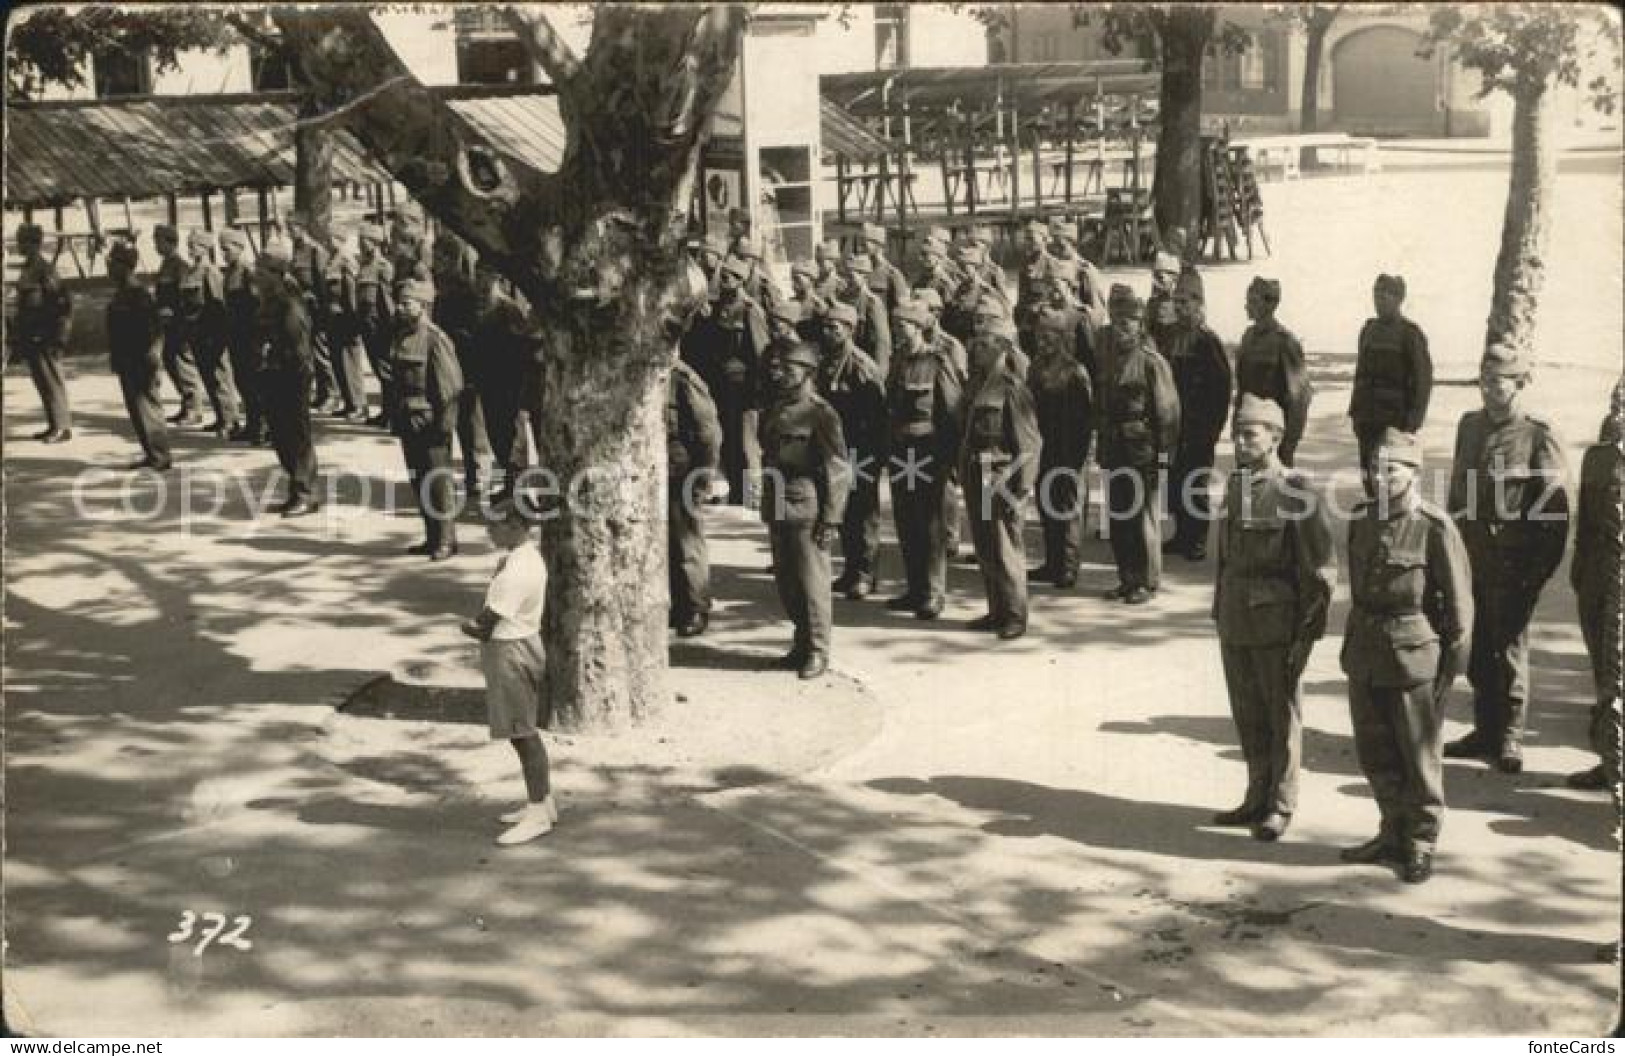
(201, 297)
(1067, 328)
(284, 333)
(828, 287)
(886, 281)
(166, 287)
(340, 310)
(1030, 279)
(309, 269)
(804, 461)
(873, 333)
(693, 434)
(1393, 375)
(1203, 378)
(1001, 429)
(1156, 307)
(959, 309)
(725, 348)
(502, 333)
(1063, 396)
(44, 306)
(1270, 365)
(812, 315)
(456, 312)
(925, 396)
(242, 311)
(133, 331)
(1136, 403)
(946, 344)
(1277, 563)
(1413, 593)
(1507, 498)
(1598, 549)
(761, 288)
(374, 300)
(944, 276)
(852, 384)
(428, 378)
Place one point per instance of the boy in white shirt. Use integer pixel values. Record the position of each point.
(509, 628)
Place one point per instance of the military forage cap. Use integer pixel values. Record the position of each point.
(841, 312)
(419, 290)
(1504, 360)
(989, 305)
(122, 253)
(233, 237)
(372, 233)
(1123, 296)
(162, 231)
(1392, 283)
(276, 255)
(829, 248)
(929, 297)
(30, 234)
(1063, 229)
(804, 268)
(1270, 288)
(786, 311)
(801, 353)
(874, 233)
(913, 312)
(1190, 284)
(940, 234)
(200, 240)
(859, 263)
(737, 267)
(1396, 445)
(1165, 261)
(1255, 410)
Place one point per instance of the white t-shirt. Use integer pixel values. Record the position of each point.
(516, 593)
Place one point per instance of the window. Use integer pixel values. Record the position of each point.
(891, 36)
(119, 73)
(787, 202)
(270, 69)
(487, 50)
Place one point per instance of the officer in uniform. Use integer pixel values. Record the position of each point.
(1277, 565)
(310, 271)
(925, 404)
(852, 384)
(1064, 400)
(241, 308)
(506, 351)
(886, 279)
(1599, 553)
(341, 327)
(725, 346)
(804, 490)
(375, 311)
(428, 384)
(39, 329)
(1393, 373)
(998, 465)
(285, 375)
(133, 339)
(1405, 642)
(202, 312)
(1270, 363)
(178, 361)
(1137, 407)
(1202, 375)
(693, 448)
(873, 333)
(1507, 496)
(456, 312)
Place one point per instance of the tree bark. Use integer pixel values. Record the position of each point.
(1314, 50)
(1184, 32)
(313, 173)
(1520, 268)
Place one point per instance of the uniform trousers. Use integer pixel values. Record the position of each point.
(801, 573)
(1268, 711)
(1063, 498)
(1398, 742)
(688, 565)
(139, 386)
(44, 360)
(181, 367)
(286, 396)
(995, 529)
(1498, 665)
(1136, 530)
(917, 509)
(429, 469)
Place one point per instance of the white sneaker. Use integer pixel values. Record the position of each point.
(518, 813)
(535, 822)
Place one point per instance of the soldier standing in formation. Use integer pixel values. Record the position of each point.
(873, 332)
(1032, 278)
(341, 329)
(506, 347)
(309, 270)
(886, 279)
(1405, 642)
(39, 329)
(998, 465)
(978, 281)
(1088, 288)
(758, 285)
(829, 282)
(1599, 553)
(375, 312)
(1159, 307)
(804, 297)
(1201, 372)
(134, 338)
(947, 345)
(202, 312)
(1138, 411)
(925, 402)
(852, 383)
(428, 385)
(936, 272)
(693, 448)
(1393, 374)
(457, 313)
(241, 307)
(1277, 565)
(1506, 494)
(804, 490)
(1270, 364)
(285, 375)
(178, 362)
(725, 347)
(1063, 399)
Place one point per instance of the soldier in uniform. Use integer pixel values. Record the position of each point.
(1277, 565)
(759, 285)
(310, 271)
(1599, 553)
(244, 346)
(133, 339)
(925, 404)
(936, 271)
(428, 384)
(1270, 364)
(502, 334)
(873, 333)
(950, 347)
(830, 282)
(1064, 400)
(804, 490)
(991, 273)
(178, 361)
(1393, 373)
(39, 332)
(285, 375)
(375, 311)
(408, 252)
(1507, 496)
(886, 279)
(959, 313)
(202, 312)
(1405, 642)
(1159, 307)
(852, 383)
(724, 346)
(341, 329)
(998, 465)
(1202, 375)
(457, 312)
(1137, 407)
(693, 447)
(804, 296)
(708, 255)
(1088, 287)
(1032, 278)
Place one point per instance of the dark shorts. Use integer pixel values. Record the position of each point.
(513, 686)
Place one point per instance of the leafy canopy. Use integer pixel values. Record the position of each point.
(50, 45)
(1521, 46)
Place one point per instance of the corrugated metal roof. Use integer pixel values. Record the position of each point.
(1027, 84)
(845, 135)
(143, 148)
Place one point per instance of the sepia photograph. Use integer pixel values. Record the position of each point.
(812, 520)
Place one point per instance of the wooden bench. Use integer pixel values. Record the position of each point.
(1281, 153)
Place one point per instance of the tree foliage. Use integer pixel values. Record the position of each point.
(54, 45)
(1518, 47)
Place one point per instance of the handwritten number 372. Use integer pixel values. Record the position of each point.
(213, 925)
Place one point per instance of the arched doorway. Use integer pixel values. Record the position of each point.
(1381, 87)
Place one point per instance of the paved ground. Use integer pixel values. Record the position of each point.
(948, 837)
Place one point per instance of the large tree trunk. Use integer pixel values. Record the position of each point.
(1314, 50)
(1184, 32)
(313, 173)
(1520, 269)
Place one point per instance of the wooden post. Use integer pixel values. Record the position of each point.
(208, 212)
(1015, 166)
(841, 187)
(264, 209)
(1038, 170)
(970, 163)
(880, 191)
(57, 212)
(129, 218)
(1071, 129)
(174, 211)
(228, 198)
